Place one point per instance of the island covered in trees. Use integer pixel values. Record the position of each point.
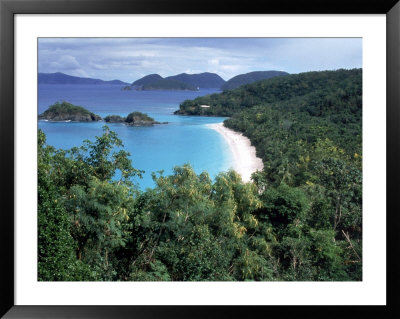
(133, 119)
(299, 220)
(66, 112)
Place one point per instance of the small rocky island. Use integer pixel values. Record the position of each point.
(68, 112)
(133, 119)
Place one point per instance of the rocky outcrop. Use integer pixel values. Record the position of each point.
(133, 119)
(68, 112)
(114, 119)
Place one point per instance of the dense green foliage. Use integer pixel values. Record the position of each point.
(138, 116)
(250, 77)
(307, 128)
(68, 111)
(134, 118)
(304, 90)
(114, 119)
(65, 107)
(300, 218)
(82, 211)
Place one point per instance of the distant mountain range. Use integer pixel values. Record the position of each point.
(250, 77)
(185, 81)
(181, 81)
(61, 78)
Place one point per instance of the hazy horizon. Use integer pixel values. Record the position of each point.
(129, 59)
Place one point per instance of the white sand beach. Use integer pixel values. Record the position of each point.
(244, 154)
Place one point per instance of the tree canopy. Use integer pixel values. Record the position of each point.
(95, 225)
(300, 219)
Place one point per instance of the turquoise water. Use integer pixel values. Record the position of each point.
(185, 139)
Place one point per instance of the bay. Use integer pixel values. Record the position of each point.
(185, 139)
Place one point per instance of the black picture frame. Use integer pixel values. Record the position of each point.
(8, 8)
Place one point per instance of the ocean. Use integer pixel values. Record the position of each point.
(185, 139)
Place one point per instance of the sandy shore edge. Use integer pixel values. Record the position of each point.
(244, 154)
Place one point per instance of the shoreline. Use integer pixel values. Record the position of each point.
(245, 161)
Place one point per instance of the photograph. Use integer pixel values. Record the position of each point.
(200, 159)
(189, 160)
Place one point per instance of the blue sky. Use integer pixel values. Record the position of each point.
(129, 59)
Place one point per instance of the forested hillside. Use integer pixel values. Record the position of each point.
(301, 218)
(250, 77)
(300, 90)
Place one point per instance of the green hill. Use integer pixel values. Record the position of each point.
(148, 79)
(251, 77)
(133, 119)
(298, 90)
(68, 112)
(201, 80)
(278, 113)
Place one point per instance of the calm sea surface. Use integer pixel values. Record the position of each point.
(185, 139)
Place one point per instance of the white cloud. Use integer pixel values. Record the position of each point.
(62, 63)
(230, 67)
(68, 62)
(81, 73)
(213, 62)
(130, 58)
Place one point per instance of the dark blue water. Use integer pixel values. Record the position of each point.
(185, 139)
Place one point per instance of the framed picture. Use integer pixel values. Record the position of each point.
(32, 36)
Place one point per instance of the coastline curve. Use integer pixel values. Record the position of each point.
(244, 155)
